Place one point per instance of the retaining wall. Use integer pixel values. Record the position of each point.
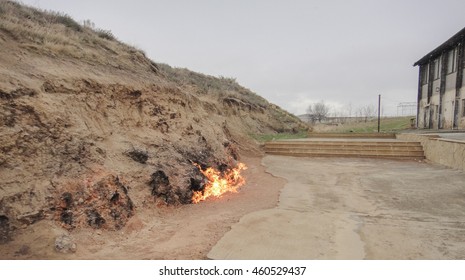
(447, 152)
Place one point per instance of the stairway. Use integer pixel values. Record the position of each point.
(352, 135)
(366, 148)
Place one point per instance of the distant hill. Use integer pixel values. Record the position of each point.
(82, 113)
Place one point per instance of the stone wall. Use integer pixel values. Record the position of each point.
(447, 152)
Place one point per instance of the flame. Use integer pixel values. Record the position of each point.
(219, 183)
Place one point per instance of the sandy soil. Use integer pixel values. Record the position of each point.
(156, 232)
(341, 208)
(81, 109)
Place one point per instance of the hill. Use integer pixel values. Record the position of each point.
(92, 130)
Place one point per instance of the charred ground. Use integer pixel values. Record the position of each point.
(91, 129)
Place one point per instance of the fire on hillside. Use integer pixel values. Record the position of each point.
(219, 182)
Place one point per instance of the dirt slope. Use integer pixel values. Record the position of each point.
(91, 130)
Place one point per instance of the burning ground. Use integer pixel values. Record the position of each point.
(93, 133)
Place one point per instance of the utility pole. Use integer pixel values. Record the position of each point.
(379, 111)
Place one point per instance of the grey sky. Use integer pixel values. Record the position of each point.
(290, 52)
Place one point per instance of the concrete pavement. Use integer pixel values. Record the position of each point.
(335, 208)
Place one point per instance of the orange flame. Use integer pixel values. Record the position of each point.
(218, 183)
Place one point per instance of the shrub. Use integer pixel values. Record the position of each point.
(67, 21)
(105, 34)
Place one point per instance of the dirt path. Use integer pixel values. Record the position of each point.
(354, 209)
(183, 232)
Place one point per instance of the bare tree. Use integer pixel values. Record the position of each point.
(348, 109)
(318, 111)
(369, 111)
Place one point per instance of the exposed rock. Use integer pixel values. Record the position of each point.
(30, 218)
(138, 155)
(65, 244)
(160, 185)
(104, 204)
(94, 219)
(17, 93)
(66, 217)
(4, 229)
(23, 251)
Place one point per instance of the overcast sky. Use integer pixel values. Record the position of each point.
(292, 53)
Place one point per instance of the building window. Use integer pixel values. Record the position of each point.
(436, 69)
(424, 74)
(463, 107)
(452, 61)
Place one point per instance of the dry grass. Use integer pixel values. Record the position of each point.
(388, 124)
(223, 88)
(53, 33)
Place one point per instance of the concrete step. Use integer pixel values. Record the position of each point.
(351, 152)
(386, 146)
(406, 157)
(353, 143)
(347, 148)
(352, 135)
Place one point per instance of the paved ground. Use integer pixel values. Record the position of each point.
(354, 209)
(446, 134)
(454, 136)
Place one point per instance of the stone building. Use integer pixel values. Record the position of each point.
(441, 91)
